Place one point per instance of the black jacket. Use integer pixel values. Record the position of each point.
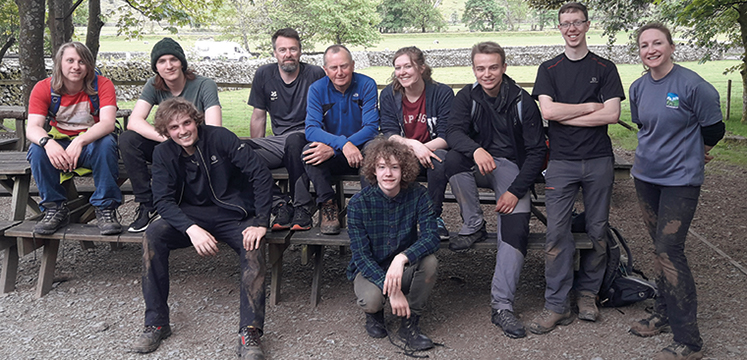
(438, 99)
(238, 178)
(470, 129)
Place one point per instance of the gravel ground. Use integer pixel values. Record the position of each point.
(95, 308)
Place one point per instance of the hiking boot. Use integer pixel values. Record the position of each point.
(151, 338)
(462, 243)
(301, 219)
(283, 217)
(249, 346)
(653, 325)
(587, 306)
(375, 325)
(410, 333)
(443, 232)
(510, 325)
(330, 219)
(548, 320)
(678, 351)
(55, 217)
(144, 215)
(107, 221)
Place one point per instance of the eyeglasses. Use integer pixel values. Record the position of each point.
(576, 24)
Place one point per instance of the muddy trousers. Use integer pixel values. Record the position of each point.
(667, 213)
(283, 151)
(161, 238)
(417, 282)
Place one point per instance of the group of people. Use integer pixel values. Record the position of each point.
(327, 121)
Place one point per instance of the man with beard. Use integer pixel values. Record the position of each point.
(281, 90)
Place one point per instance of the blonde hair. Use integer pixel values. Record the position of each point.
(58, 84)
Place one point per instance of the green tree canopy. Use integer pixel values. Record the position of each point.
(402, 15)
(483, 15)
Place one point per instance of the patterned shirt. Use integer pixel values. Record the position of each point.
(381, 227)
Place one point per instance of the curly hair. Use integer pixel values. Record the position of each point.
(381, 148)
(170, 109)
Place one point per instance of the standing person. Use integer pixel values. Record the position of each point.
(414, 111)
(341, 117)
(80, 136)
(173, 79)
(390, 259)
(680, 121)
(281, 90)
(579, 94)
(205, 170)
(499, 142)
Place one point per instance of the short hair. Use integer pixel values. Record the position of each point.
(416, 58)
(58, 85)
(573, 7)
(488, 47)
(288, 33)
(382, 148)
(334, 49)
(172, 108)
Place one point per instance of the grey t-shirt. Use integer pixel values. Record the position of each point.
(671, 112)
(202, 92)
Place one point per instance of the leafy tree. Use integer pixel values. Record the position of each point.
(9, 24)
(397, 16)
(544, 17)
(516, 12)
(394, 16)
(426, 15)
(133, 14)
(483, 15)
(351, 22)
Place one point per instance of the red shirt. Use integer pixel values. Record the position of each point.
(415, 119)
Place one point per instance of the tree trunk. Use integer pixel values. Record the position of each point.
(509, 16)
(60, 26)
(94, 27)
(742, 20)
(8, 43)
(31, 44)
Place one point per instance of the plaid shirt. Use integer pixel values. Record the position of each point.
(381, 227)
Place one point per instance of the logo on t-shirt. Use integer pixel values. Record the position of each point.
(594, 80)
(273, 95)
(673, 101)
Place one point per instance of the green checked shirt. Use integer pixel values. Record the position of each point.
(381, 227)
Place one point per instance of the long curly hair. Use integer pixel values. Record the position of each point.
(382, 148)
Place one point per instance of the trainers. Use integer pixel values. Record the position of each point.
(375, 325)
(510, 325)
(462, 243)
(249, 344)
(330, 219)
(151, 338)
(144, 215)
(55, 217)
(653, 325)
(410, 333)
(587, 306)
(107, 221)
(443, 232)
(301, 219)
(548, 320)
(283, 217)
(678, 351)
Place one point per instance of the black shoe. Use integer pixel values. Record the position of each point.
(151, 338)
(510, 325)
(249, 345)
(443, 232)
(107, 221)
(55, 217)
(410, 333)
(301, 219)
(144, 215)
(462, 243)
(375, 325)
(283, 217)
(330, 218)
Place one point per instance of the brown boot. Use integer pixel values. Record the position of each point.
(653, 325)
(587, 306)
(548, 320)
(677, 351)
(330, 218)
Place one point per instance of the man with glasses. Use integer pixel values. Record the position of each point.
(579, 94)
(281, 90)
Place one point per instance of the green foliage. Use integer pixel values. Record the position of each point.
(175, 13)
(483, 15)
(9, 21)
(80, 15)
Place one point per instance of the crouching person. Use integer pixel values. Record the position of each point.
(389, 258)
(205, 170)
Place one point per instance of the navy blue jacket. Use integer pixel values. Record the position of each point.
(438, 99)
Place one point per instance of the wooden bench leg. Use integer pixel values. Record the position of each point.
(316, 281)
(10, 269)
(46, 271)
(276, 266)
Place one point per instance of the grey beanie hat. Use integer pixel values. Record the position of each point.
(167, 46)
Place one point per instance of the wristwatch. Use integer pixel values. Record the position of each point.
(43, 141)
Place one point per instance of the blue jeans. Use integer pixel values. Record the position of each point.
(100, 156)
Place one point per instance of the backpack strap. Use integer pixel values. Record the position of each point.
(54, 105)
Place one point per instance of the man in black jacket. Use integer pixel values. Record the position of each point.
(497, 141)
(208, 186)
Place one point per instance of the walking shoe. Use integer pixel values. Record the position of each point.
(510, 325)
(678, 351)
(250, 347)
(330, 219)
(144, 215)
(653, 325)
(410, 333)
(151, 338)
(587, 306)
(462, 243)
(55, 217)
(443, 232)
(301, 219)
(107, 221)
(548, 320)
(375, 325)
(283, 217)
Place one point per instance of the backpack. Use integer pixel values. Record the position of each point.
(54, 105)
(623, 284)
